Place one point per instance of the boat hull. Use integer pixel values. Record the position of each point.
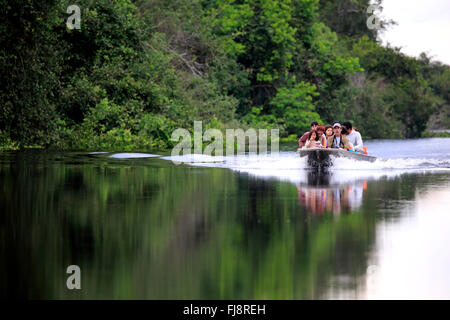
(323, 158)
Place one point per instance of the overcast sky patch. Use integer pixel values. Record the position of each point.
(423, 26)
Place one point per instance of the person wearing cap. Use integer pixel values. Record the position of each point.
(353, 136)
(304, 138)
(336, 141)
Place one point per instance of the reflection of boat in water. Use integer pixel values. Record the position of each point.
(319, 196)
(323, 158)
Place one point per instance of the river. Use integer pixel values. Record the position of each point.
(140, 226)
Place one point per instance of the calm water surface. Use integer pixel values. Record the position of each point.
(141, 227)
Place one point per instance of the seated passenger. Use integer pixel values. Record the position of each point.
(313, 140)
(304, 138)
(320, 132)
(336, 141)
(328, 131)
(344, 134)
(354, 137)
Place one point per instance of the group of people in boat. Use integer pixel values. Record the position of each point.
(336, 136)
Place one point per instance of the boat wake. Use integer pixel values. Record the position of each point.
(289, 166)
(290, 160)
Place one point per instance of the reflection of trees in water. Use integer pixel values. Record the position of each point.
(139, 232)
(177, 232)
(339, 242)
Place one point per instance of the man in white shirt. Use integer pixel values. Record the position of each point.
(354, 137)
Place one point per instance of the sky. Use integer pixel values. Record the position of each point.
(423, 26)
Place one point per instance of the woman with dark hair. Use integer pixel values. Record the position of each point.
(328, 130)
(313, 140)
(320, 132)
(304, 138)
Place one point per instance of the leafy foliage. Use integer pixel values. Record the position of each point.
(138, 69)
(293, 105)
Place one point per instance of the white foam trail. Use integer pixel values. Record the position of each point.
(383, 164)
(195, 158)
(132, 155)
(288, 166)
(290, 160)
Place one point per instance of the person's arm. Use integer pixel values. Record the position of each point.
(308, 144)
(303, 139)
(347, 144)
(323, 142)
(358, 143)
(329, 142)
(350, 146)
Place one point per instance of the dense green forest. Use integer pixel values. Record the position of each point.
(137, 70)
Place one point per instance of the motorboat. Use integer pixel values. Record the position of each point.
(323, 158)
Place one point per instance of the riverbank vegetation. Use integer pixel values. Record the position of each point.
(137, 70)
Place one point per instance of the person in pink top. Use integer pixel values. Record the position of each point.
(304, 138)
(320, 132)
(313, 140)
